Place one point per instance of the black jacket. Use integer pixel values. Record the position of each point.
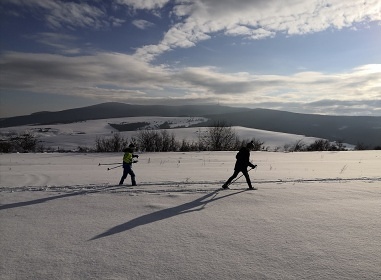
(243, 159)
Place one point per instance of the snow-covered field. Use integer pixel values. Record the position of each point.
(71, 136)
(314, 216)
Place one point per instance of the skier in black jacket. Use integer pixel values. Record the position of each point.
(243, 161)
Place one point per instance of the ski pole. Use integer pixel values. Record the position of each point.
(241, 176)
(114, 167)
(99, 164)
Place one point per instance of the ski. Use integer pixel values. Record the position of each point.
(229, 189)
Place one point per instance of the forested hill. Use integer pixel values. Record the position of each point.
(349, 129)
(115, 110)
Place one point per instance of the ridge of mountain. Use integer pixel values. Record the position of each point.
(114, 110)
(349, 129)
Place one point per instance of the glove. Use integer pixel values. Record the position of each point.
(136, 156)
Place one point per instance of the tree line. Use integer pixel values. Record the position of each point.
(219, 137)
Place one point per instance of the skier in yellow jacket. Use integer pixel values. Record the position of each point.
(128, 159)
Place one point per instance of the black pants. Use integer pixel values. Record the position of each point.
(127, 169)
(235, 174)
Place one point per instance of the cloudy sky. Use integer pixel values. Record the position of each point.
(307, 56)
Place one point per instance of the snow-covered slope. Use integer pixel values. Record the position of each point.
(315, 215)
(71, 136)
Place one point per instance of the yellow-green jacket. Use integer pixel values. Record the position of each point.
(127, 158)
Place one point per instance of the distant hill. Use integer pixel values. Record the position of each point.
(115, 110)
(348, 129)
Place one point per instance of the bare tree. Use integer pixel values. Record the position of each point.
(20, 142)
(298, 146)
(319, 145)
(114, 144)
(146, 139)
(221, 137)
(258, 144)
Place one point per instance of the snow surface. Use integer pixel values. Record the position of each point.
(71, 136)
(314, 216)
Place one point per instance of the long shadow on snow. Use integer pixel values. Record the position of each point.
(196, 205)
(46, 199)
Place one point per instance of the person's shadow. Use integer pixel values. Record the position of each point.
(46, 199)
(192, 206)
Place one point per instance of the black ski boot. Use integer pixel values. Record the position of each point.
(251, 187)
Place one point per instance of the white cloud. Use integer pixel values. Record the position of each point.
(61, 74)
(68, 14)
(142, 24)
(199, 19)
(144, 4)
(123, 77)
(116, 22)
(64, 43)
